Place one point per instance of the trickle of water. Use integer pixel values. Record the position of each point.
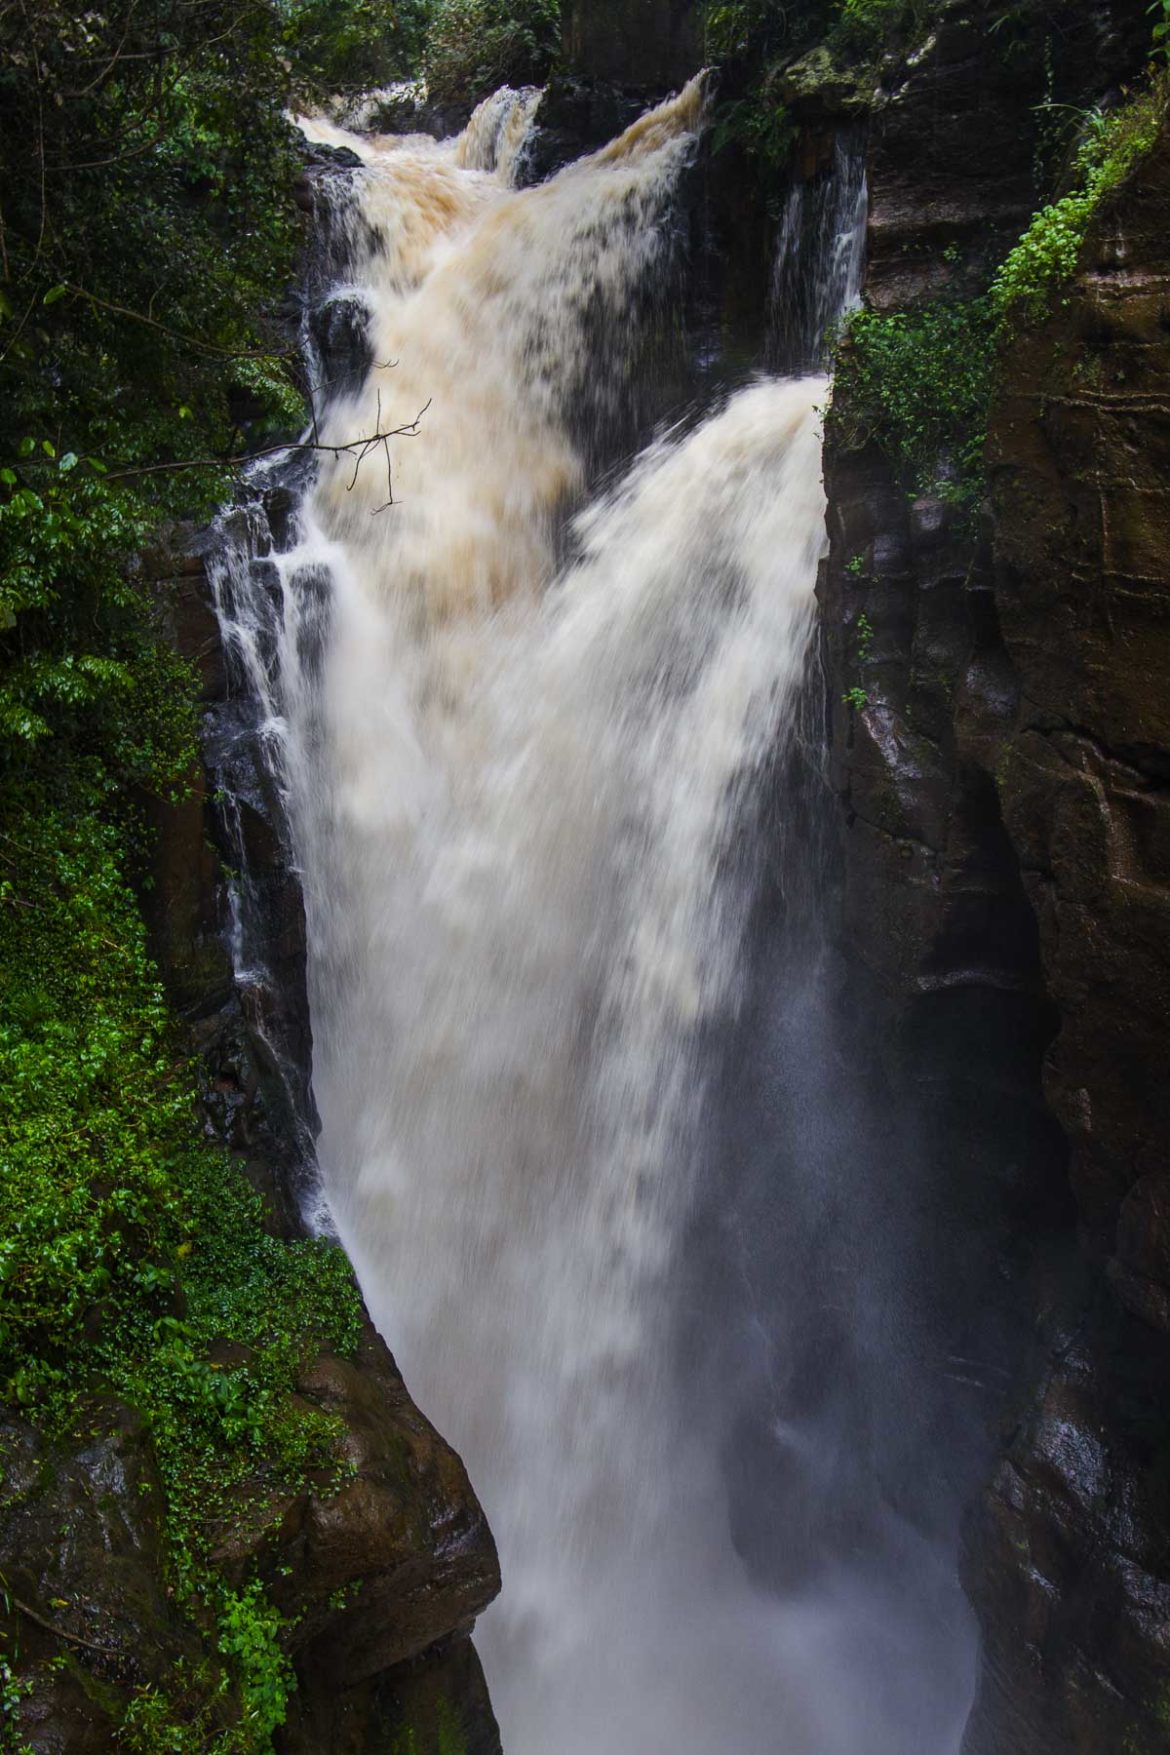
(820, 255)
(515, 784)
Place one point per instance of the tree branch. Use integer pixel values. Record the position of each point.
(208, 347)
(358, 449)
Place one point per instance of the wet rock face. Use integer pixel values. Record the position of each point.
(81, 1553)
(1081, 450)
(959, 135)
(1006, 847)
(653, 44)
(1066, 1558)
(380, 1580)
(397, 1558)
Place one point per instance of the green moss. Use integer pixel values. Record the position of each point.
(444, 1737)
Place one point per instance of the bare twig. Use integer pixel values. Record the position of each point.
(60, 1633)
(358, 449)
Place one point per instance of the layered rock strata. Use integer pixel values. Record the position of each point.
(1002, 771)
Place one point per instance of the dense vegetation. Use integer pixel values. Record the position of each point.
(146, 237)
(758, 48)
(474, 46)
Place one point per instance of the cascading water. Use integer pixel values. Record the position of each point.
(816, 275)
(520, 742)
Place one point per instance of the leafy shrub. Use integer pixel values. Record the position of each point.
(865, 26)
(1160, 12)
(249, 1635)
(474, 46)
(352, 45)
(1113, 142)
(920, 382)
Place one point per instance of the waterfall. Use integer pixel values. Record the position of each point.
(523, 702)
(819, 258)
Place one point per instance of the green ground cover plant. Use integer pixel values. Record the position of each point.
(1112, 142)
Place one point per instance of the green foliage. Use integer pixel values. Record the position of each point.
(354, 45)
(1160, 12)
(1112, 143)
(760, 125)
(763, 49)
(857, 697)
(195, 1715)
(760, 31)
(146, 226)
(119, 1215)
(154, 1724)
(14, 1688)
(82, 661)
(146, 232)
(474, 46)
(745, 38)
(920, 382)
(868, 26)
(135, 1256)
(249, 1636)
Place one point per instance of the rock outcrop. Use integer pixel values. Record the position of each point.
(377, 1578)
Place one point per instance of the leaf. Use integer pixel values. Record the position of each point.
(54, 293)
(48, 447)
(68, 462)
(8, 477)
(26, 447)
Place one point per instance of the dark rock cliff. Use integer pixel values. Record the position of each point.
(1005, 854)
(651, 44)
(1073, 1541)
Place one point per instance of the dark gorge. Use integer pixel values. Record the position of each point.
(607, 883)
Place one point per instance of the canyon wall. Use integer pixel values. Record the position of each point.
(1000, 748)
